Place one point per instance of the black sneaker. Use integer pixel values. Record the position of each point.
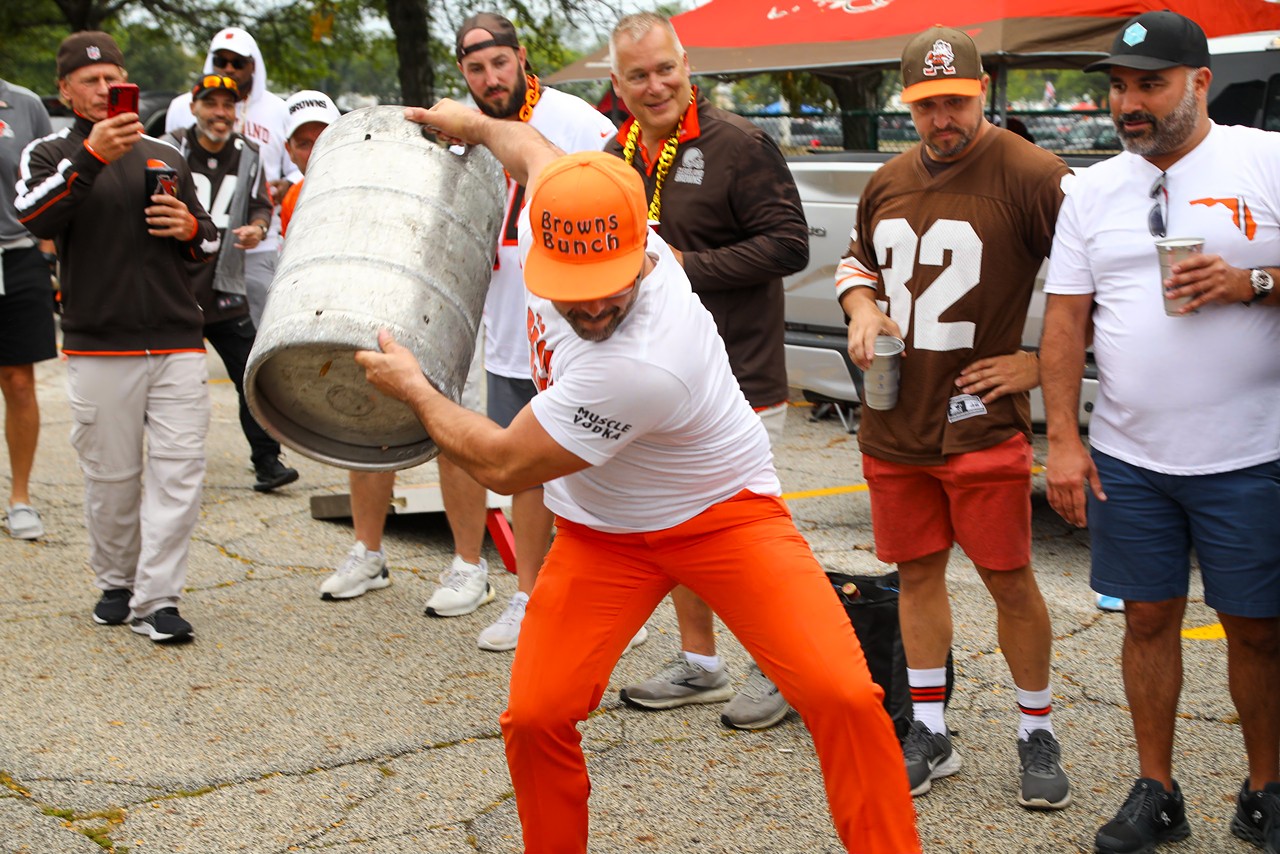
(163, 626)
(1258, 817)
(113, 608)
(1043, 784)
(1150, 817)
(271, 474)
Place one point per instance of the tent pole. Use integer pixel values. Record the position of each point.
(1000, 98)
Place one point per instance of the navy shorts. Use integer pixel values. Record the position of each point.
(1144, 532)
(506, 397)
(26, 309)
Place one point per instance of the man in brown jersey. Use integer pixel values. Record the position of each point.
(950, 235)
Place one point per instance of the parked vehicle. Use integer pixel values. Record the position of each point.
(1245, 90)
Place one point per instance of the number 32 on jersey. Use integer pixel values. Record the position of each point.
(950, 244)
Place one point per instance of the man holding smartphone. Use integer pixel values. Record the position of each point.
(132, 335)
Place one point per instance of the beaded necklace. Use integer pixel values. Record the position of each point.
(665, 159)
(531, 95)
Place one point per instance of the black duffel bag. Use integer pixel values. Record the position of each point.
(871, 601)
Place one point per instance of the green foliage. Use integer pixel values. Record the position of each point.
(1026, 87)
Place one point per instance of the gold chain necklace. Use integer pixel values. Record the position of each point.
(665, 159)
(531, 95)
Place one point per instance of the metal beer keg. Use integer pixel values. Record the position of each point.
(393, 232)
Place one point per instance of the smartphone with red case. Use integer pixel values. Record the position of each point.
(122, 98)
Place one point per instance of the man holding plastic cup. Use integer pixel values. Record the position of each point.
(949, 236)
(1186, 431)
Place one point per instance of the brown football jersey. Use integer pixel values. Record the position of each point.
(956, 257)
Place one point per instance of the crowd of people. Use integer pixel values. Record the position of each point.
(666, 320)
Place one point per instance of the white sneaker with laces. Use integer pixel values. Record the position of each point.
(463, 588)
(361, 572)
(505, 631)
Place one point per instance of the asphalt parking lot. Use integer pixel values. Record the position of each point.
(293, 724)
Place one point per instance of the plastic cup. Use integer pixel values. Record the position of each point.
(880, 380)
(1171, 251)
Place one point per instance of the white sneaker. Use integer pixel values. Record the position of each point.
(24, 522)
(505, 631)
(639, 638)
(463, 588)
(361, 572)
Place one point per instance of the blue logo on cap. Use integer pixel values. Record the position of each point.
(1135, 34)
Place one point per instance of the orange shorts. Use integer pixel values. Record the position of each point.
(980, 500)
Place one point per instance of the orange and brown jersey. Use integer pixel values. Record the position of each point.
(955, 254)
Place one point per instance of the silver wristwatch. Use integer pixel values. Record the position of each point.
(1262, 284)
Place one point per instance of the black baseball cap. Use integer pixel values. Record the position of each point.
(1155, 40)
(502, 31)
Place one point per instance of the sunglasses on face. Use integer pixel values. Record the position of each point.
(1158, 218)
(236, 62)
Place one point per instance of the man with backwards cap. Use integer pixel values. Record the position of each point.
(1186, 431)
(232, 187)
(131, 331)
(260, 116)
(659, 474)
(950, 234)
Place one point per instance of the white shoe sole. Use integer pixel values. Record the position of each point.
(159, 637)
(378, 582)
(463, 611)
(1042, 804)
(763, 723)
(715, 695)
(945, 768)
(497, 646)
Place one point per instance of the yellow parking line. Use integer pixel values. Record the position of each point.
(1213, 631)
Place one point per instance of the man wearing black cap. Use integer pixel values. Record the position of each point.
(1184, 433)
(132, 335)
(951, 234)
(231, 184)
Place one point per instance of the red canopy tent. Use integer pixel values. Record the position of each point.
(746, 36)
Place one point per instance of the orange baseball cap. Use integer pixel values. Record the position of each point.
(589, 228)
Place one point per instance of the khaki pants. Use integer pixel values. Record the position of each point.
(140, 513)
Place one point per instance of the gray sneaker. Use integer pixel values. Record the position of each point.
(929, 756)
(678, 684)
(757, 705)
(1044, 784)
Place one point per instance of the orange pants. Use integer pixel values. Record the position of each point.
(746, 559)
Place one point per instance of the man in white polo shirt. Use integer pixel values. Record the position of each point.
(659, 474)
(1186, 431)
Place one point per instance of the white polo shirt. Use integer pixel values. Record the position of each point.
(1187, 395)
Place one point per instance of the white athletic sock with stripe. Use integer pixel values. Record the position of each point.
(928, 691)
(1034, 708)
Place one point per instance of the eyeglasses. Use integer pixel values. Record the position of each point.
(1158, 218)
(238, 62)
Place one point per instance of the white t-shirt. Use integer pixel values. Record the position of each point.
(572, 125)
(1188, 395)
(654, 408)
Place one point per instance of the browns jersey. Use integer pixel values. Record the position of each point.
(955, 256)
